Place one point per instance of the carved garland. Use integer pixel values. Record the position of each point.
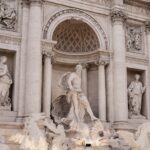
(80, 13)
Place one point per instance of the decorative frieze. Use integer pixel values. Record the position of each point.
(118, 15)
(134, 38)
(102, 2)
(8, 14)
(136, 10)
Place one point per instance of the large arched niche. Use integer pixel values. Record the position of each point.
(75, 36)
(79, 16)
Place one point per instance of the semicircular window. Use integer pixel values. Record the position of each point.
(75, 36)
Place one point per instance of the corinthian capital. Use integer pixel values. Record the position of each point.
(25, 2)
(147, 26)
(102, 61)
(118, 15)
(85, 65)
(47, 48)
(48, 53)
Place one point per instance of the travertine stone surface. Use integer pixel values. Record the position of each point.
(43, 39)
(34, 60)
(120, 74)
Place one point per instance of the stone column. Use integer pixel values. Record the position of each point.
(34, 59)
(84, 78)
(119, 64)
(25, 19)
(47, 81)
(147, 30)
(102, 89)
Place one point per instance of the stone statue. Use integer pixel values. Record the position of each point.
(71, 82)
(40, 133)
(135, 92)
(8, 16)
(5, 83)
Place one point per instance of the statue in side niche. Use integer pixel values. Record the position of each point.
(71, 82)
(135, 91)
(5, 83)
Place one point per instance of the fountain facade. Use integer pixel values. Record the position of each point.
(77, 72)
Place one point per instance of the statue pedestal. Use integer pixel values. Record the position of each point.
(7, 116)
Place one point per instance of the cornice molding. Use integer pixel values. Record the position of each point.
(82, 58)
(140, 3)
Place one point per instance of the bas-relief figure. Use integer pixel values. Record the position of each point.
(5, 83)
(133, 39)
(8, 16)
(135, 92)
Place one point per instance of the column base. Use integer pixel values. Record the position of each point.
(20, 118)
(8, 116)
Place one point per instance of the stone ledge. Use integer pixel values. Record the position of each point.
(130, 125)
(11, 125)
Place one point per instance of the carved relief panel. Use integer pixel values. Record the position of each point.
(8, 14)
(134, 38)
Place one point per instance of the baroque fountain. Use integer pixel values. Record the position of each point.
(73, 126)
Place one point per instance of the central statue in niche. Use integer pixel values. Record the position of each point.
(71, 82)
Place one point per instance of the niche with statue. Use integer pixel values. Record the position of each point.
(136, 94)
(7, 63)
